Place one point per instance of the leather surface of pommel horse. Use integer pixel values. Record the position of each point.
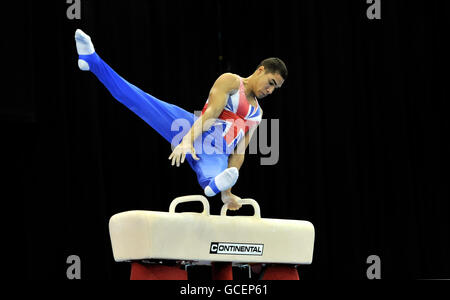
(202, 238)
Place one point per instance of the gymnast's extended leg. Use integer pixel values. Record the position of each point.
(158, 114)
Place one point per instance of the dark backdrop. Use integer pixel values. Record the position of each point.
(363, 120)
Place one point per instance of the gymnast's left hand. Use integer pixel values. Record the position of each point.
(179, 153)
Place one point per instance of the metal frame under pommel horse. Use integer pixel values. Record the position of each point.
(160, 245)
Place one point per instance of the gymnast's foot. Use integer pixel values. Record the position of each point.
(84, 47)
(224, 181)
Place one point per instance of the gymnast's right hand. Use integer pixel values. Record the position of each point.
(179, 153)
(231, 200)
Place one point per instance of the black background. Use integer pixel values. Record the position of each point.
(363, 121)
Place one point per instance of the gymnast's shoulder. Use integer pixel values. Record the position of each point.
(229, 80)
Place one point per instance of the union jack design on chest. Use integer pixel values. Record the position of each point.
(238, 116)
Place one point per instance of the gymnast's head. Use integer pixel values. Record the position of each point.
(269, 75)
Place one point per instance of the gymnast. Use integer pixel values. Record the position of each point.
(213, 144)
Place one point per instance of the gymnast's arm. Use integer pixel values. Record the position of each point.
(237, 158)
(226, 84)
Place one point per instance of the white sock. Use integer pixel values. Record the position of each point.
(84, 47)
(224, 181)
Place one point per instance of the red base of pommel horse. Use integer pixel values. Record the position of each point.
(273, 246)
(219, 271)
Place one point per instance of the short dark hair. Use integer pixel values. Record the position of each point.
(275, 65)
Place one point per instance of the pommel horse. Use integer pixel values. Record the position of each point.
(147, 238)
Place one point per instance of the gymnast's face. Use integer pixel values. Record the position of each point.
(266, 83)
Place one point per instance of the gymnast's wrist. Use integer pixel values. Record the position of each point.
(226, 193)
(187, 140)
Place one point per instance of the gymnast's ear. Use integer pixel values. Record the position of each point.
(260, 70)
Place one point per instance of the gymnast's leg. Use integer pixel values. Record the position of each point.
(213, 173)
(158, 114)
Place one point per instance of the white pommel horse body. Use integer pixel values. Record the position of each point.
(202, 238)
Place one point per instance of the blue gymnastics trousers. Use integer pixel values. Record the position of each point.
(161, 116)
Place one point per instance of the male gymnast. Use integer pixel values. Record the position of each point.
(214, 144)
